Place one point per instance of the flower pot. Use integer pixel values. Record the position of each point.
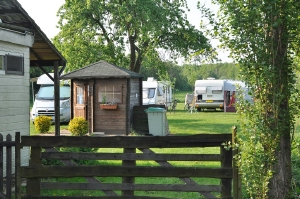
(109, 106)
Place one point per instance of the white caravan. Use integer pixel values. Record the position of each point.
(217, 94)
(44, 100)
(157, 92)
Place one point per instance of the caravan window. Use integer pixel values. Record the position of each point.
(160, 91)
(200, 90)
(217, 89)
(151, 92)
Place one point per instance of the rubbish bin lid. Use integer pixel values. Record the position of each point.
(155, 109)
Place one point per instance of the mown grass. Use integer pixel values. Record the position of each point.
(180, 123)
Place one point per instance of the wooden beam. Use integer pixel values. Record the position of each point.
(56, 99)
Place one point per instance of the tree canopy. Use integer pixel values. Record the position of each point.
(263, 36)
(124, 32)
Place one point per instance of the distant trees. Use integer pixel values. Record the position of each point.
(186, 75)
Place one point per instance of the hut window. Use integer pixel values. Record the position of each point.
(14, 65)
(1, 63)
(113, 94)
(79, 95)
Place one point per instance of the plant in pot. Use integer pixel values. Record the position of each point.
(105, 105)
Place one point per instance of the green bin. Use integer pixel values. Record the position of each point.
(157, 121)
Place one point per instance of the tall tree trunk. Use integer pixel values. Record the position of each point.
(280, 183)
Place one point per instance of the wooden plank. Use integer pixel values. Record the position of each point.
(199, 140)
(226, 161)
(89, 179)
(33, 185)
(8, 167)
(17, 166)
(93, 197)
(1, 162)
(237, 181)
(188, 181)
(129, 186)
(131, 156)
(126, 171)
(128, 179)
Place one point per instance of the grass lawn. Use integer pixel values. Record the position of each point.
(180, 123)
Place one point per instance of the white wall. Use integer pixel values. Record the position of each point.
(14, 90)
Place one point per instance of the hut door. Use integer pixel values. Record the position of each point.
(81, 101)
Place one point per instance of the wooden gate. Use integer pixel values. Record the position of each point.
(8, 182)
(133, 163)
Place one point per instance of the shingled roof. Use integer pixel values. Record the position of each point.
(101, 69)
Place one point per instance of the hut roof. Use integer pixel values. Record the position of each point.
(14, 17)
(101, 69)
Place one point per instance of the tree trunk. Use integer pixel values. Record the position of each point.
(281, 182)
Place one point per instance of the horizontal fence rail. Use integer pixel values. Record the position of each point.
(153, 157)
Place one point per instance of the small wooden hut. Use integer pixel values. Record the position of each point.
(104, 94)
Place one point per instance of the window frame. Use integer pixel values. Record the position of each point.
(111, 92)
(8, 60)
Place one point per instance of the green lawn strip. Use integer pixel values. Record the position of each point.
(180, 123)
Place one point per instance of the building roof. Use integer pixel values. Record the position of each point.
(14, 17)
(101, 69)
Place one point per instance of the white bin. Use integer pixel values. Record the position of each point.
(157, 121)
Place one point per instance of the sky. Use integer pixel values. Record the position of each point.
(43, 12)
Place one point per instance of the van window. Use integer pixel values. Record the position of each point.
(47, 92)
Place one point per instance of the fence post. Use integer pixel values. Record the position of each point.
(1, 162)
(8, 165)
(17, 166)
(128, 179)
(237, 181)
(33, 185)
(226, 162)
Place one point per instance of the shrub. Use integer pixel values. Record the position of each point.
(78, 126)
(42, 123)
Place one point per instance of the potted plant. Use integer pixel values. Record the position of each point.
(104, 105)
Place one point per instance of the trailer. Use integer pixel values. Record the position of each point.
(157, 92)
(218, 94)
(44, 100)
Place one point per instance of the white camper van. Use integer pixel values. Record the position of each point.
(157, 92)
(217, 94)
(44, 100)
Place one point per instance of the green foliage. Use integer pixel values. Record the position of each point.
(79, 149)
(42, 123)
(78, 126)
(295, 168)
(263, 39)
(103, 30)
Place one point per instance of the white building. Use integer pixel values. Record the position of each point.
(22, 45)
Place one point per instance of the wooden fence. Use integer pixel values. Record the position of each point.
(139, 157)
(7, 183)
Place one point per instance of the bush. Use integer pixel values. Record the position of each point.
(42, 123)
(78, 126)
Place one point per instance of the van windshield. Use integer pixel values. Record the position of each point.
(47, 92)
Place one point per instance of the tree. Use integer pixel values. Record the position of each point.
(95, 29)
(263, 38)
